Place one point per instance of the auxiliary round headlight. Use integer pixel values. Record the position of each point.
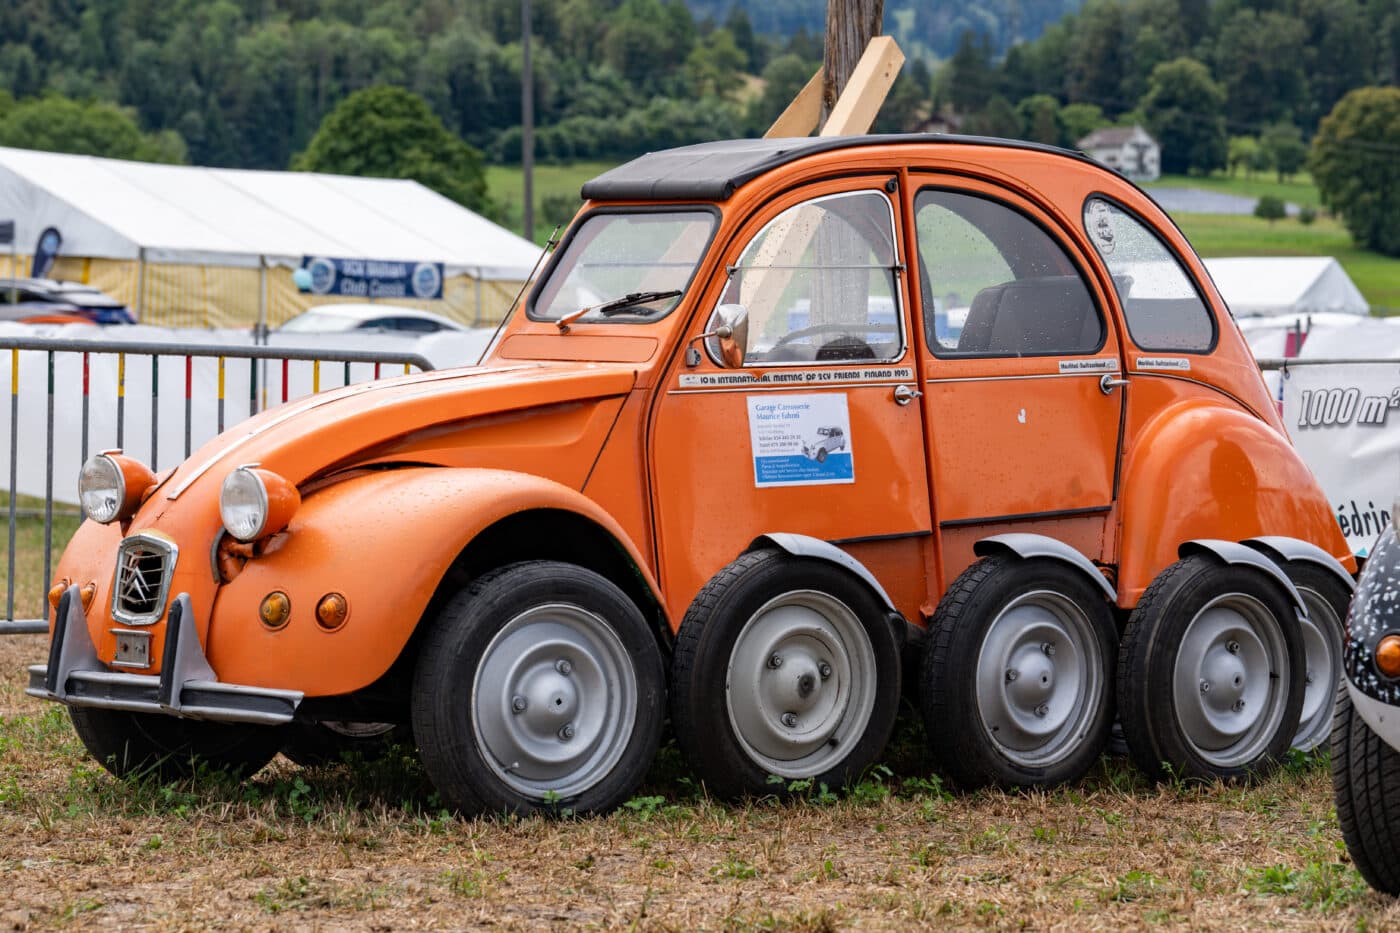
(110, 486)
(255, 503)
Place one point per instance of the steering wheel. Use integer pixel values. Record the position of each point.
(834, 328)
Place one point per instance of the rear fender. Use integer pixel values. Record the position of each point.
(1201, 469)
(1281, 550)
(385, 541)
(1229, 552)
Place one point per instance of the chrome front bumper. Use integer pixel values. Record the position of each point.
(186, 687)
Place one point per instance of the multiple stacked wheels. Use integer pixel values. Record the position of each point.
(541, 686)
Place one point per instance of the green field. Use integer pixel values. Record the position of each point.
(1377, 276)
(1298, 190)
(506, 186)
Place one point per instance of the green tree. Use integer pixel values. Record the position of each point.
(1184, 109)
(1242, 153)
(782, 79)
(1040, 119)
(713, 67)
(968, 80)
(388, 132)
(1270, 207)
(1287, 152)
(999, 119)
(1356, 164)
(57, 124)
(1259, 61)
(1079, 120)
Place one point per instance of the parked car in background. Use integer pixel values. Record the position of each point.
(1366, 739)
(39, 300)
(342, 319)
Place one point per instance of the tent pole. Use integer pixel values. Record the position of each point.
(141, 284)
(477, 322)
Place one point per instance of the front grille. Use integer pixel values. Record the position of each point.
(144, 566)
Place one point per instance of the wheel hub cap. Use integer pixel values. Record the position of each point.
(554, 701)
(800, 686)
(1039, 678)
(1228, 678)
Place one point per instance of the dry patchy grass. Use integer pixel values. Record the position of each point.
(370, 848)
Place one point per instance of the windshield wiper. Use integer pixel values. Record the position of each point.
(616, 306)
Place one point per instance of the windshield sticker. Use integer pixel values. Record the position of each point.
(800, 440)
(1104, 365)
(1162, 362)
(1099, 221)
(782, 376)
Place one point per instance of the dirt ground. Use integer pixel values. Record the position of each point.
(369, 848)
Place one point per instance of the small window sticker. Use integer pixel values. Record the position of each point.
(1099, 221)
(800, 440)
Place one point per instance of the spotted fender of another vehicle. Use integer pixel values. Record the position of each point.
(1375, 613)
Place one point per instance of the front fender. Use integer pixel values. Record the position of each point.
(1375, 613)
(384, 540)
(1201, 469)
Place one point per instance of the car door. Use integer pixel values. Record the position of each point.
(1023, 385)
(809, 435)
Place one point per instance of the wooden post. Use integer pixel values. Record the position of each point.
(850, 25)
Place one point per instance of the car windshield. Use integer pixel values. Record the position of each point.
(648, 256)
(318, 322)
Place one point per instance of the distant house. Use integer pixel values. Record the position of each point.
(1128, 149)
(943, 121)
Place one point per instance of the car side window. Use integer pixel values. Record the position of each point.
(1162, 307)
(416, 325)
(819, 283)
(993, 283)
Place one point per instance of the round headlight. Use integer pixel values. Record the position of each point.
(112, 487)
(255, 503)
(101, 489)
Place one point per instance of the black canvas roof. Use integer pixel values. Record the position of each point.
(712, 171)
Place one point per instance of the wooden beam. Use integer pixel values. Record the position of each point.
(803, 114)
(871, 81)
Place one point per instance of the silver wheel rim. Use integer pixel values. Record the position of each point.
(1322, 649)
(1230, 683)
(554, 701)
(1040, 681)
(800, 686)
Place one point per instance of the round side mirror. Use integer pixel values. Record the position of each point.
(729, 329)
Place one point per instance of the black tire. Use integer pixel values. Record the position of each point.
(1327, 599)
(556, 617)
(1042, 621)
(317, 744)
(1266, 671)
(821, 455)
(848, 629)
(167, 748)
(1366, 787)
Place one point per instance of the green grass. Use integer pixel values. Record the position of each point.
(506, 186)
(1377, 276)
(1298, 190)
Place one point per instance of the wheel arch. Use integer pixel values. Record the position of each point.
(1280, 548)
(1230, 552)
(1027, 546)
(799, 545)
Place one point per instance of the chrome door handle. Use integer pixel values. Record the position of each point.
(1109, 381)
(903, 395)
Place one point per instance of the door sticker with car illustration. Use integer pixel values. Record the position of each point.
(800, 440)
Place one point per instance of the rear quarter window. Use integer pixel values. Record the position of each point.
(1163, 309)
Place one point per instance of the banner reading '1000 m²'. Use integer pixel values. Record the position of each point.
(1345, 422)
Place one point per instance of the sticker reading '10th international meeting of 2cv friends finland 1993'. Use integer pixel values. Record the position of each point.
(800, 440)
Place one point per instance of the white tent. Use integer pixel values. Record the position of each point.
(1272, 285)
(145, 215)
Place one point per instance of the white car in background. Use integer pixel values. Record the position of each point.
(357, 318)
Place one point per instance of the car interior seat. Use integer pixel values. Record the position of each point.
(1044, 314)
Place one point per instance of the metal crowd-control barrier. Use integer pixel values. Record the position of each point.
(261, 393)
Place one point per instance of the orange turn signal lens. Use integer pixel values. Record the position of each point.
(275, 609)
(56, 593)
(332, 611)
(1388, 656)
(88, 591)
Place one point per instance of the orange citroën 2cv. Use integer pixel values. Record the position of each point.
(777, 416)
